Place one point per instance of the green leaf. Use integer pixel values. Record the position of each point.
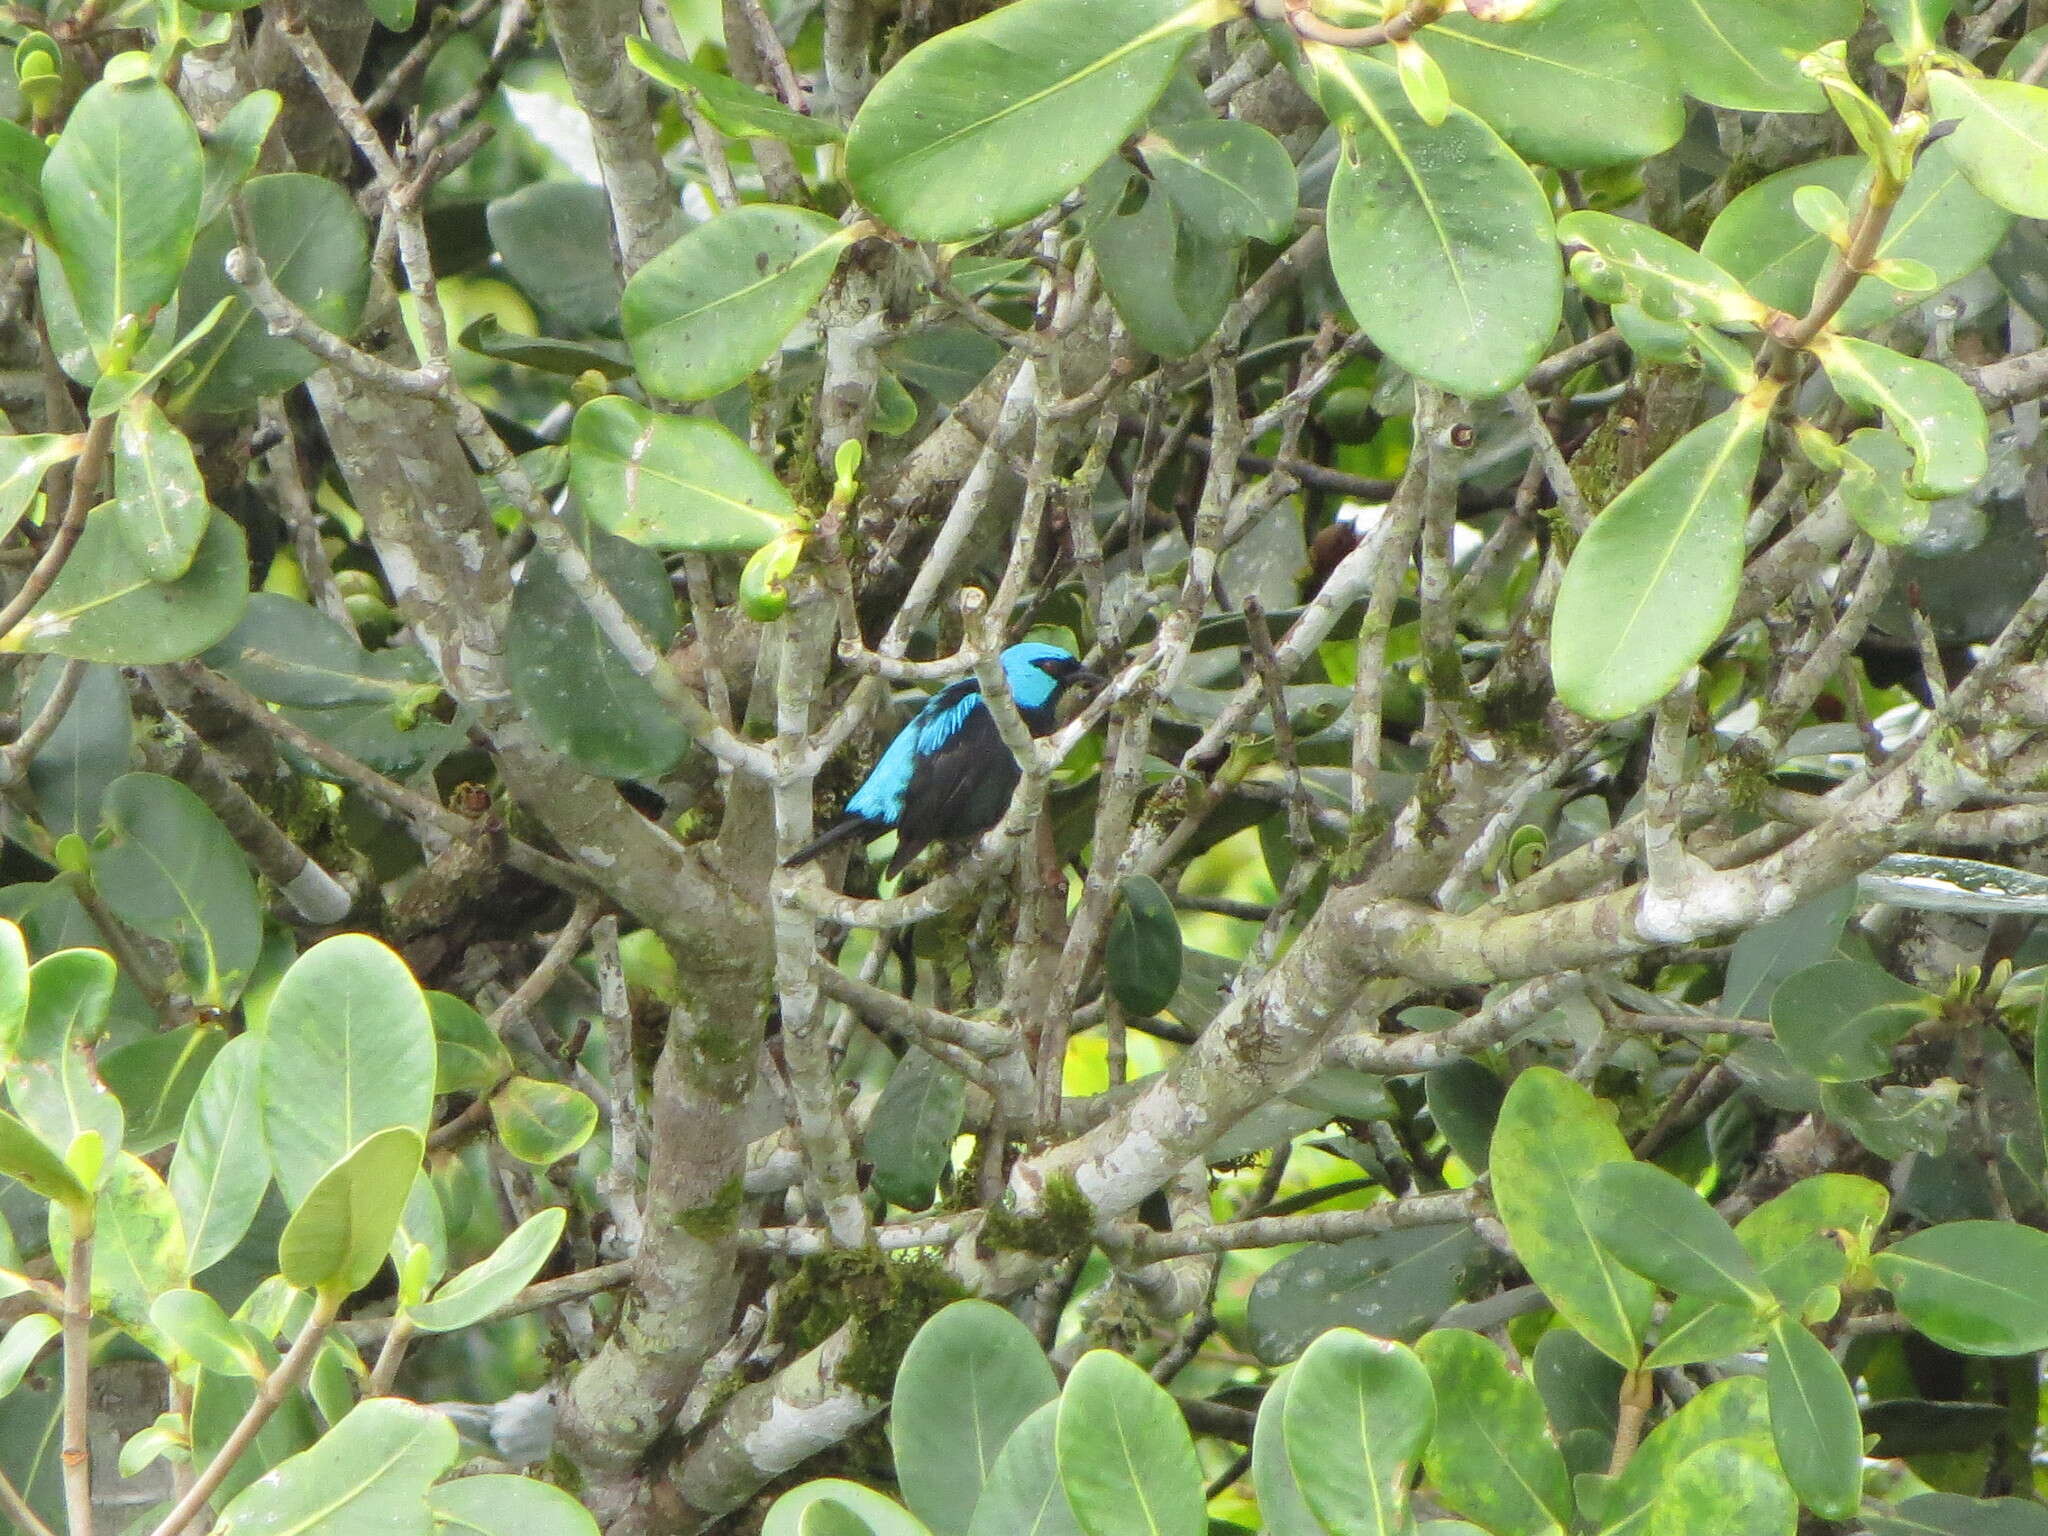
(1143, 961)
(1551, 1132)
(317, 251)
(545, 234)
(883, 1515)
(138, 1246)
(1169, 284)
(468, 1056)
(732, 108)
(1730, 1413)
(346, 1052)
(828, 1517)
(1976, 1287)
(1358, 1414)
(2002, 141)
(24, 1341)
(498, 1504)
(990, 123)
(1579, 88)
(168, 867)
(1745, 54)
(1875, 469)
(479, 1290)
(288, 652)
(1282, 1510)
(1023, 1495)
(25, 1159)
(371, 1472)
(1939, 221)
(1764, 955)
(672, 482)
(1441, 240)
(14, 990)
(50, 1080)
(159, 499)
(717, 304)
(1937, 883)
(1124, 1452)
(214, 1180)
(910, 1136)
(194, 1324)
(1659, 1227)
(1490, 1457)
(1230, 180)
(486, 337)
(581, 694)
(341, 1231)
(1669, 279)
(541, 1123)
(1950, 1514)
(24, 460)
(22, 156)
(1391, 1284)
(1933, 410)
(1915, 25)
(164, 350)
(396, 15)
(1725, 1491)
(1653, 581)
(103, 606)
(971, 1376)
(122, 188)
(155, 1078)
(1814, 1421)
(1464, 1100)
(1839, 1020)
(92, 746)
(233, 148)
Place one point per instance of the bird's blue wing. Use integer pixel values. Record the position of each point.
(943, 715)
(880, 796)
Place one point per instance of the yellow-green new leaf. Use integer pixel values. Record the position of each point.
(1934, 411)
(337, 1239)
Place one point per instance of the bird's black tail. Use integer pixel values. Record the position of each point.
(851, 827)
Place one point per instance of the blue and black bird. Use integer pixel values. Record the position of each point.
(948, 774)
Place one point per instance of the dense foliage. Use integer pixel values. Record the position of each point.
(1511, 1007)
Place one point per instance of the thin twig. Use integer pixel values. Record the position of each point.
(77, 1450)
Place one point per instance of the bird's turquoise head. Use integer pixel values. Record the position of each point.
(1036, 672)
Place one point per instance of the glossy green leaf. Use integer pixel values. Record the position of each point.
(973, 1374)
(156, 1079)
(167, 867)
(1915, 25)
(233, 147)
(1490, 1457)
(545, 234)
(1668, 278)
(347, 1051)
(1839, 1020)
(910, 1135)
(1230, 180)
(122, 189)
(581, 694)
(1440, 238)
(370, 1472)
(103, 606)
(672, 482)
(1581, 87)
(1023, 1495)
(317, 251)
(498, 1504)
(1282, 1510)
(23, 1342)
(1764, 955)
(717, 304)
(1659, 1227)
(1464, 1100)
(1170, 285)
(881, 1514)
(166, 349)
(24, 460)
(1124, 1452)
(288, 652)
(138, 1246)
(14, 990)
(1951, 1514)
(1580, 1387)
(541, 1123)
(1730, 1413)
(474, 1293)
(1358, 1414)
(1725, 1491)
(1976, 1287)
(92, 746)
(195, 1325)
(341, 1231)
(50, 1078)
(1391, 1284)
(486, 337)
(732, 108)
(159, 499)
(1653, 581)
(1143, 962)
(2002, 141)
(1551, 1133)
(25, 1159)
(1745, 54)
(214, 1180)
(1814, 1421)
(22, 155)
(989, 123)
(468, 1056)
(1876, 466)
(1932, 409)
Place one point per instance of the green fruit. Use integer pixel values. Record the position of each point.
(1347, 415)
